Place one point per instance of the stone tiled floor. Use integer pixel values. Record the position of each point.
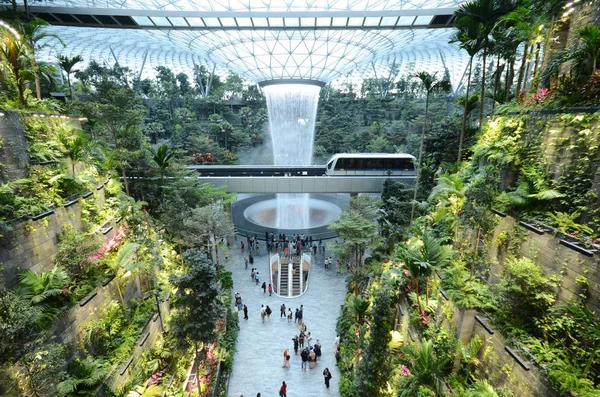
(259, 356)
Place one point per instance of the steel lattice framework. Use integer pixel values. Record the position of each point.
(259, 39)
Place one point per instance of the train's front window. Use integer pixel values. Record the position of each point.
(329, 165)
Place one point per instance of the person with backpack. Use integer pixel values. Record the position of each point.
(264, 287)
(268, 311)
(327, 376)
(283, 390)
(304, 356)
(318, 349)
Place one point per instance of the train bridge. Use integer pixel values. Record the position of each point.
(293, 179)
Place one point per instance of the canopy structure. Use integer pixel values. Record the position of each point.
(258, 39)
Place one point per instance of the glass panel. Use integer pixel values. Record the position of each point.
(340, 164)
(374, 163)
(355, 21)
(360, 164)
(423, 20)
(292, 22)
(351, 164)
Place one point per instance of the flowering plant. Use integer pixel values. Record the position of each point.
(539, 97)
(108, 246)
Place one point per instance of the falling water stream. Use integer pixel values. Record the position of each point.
(292, 113)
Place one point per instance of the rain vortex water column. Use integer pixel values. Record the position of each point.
(292, 112)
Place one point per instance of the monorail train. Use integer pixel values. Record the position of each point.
(390, 164)
(341, 164)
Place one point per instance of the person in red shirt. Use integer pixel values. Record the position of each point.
(283, 390)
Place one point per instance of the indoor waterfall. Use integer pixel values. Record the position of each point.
(292, 112)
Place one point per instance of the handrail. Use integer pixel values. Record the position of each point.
(290, 278)
(278, 274)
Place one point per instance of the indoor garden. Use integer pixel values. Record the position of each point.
(479, 276)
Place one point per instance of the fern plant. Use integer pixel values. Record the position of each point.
(83, 376)
(41, 288)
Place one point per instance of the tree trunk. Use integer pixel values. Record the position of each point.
(476, 249)
(70, 87)
(547, 39)
(506, 77)
(526, 77)
(521, 71)
(464, 117)
(496, 84)
(412, 211)
(36, 76)
(427, 291)
(535, 67)
(417, 292)
(482, 98)
(197, 367)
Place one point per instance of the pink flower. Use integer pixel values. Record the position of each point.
(404, 371)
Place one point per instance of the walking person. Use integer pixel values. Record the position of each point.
(296, 315)
(312, 358)
(262, 313)
(283, 390)
(327, 376)
(304, 356)
(281, 310)
(286, 353)
(246, 262)
(270, 288)
(268, 311)
(242, 245)
(252, 274)
(245, 313)
(257, 278)
(289, 316)
(295, 340)
(264, 287)
(301, 340)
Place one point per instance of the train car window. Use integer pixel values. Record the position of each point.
(374, 163)
(388, 164)
(350, 164)
(360, 164)
(340, 164)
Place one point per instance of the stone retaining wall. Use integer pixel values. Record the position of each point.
(33, 244)
(13, 148)
(551, 256)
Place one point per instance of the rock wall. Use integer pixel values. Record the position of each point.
(33, 243)
(552, 256)
(13, 148)
(504, 371)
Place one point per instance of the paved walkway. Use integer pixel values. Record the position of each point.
(257, 363)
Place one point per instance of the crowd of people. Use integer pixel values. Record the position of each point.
(305, 345)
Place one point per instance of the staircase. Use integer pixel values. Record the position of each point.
(296, 274)
(284, 286)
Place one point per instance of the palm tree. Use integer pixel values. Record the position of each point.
(161, 157)
(422, 256)
(359, 308)
(589, 45)
(484, 13)
(468, 34)
(75, 147)
(426, 370)
(67, 64)
(16, 62)
(32, 33)
(39, 288)
(430, 84)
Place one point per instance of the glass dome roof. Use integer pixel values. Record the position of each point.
(259, 39)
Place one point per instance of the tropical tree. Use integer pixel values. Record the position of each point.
(74, 147)
(16, 63)
(468, 34)
(197, 308)
(67, 65)
(583, 54)
(32, 34)
(429, 84)
(426, 368)
(422, 256)
(162, 156)
(484, 14)
(208, 225)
